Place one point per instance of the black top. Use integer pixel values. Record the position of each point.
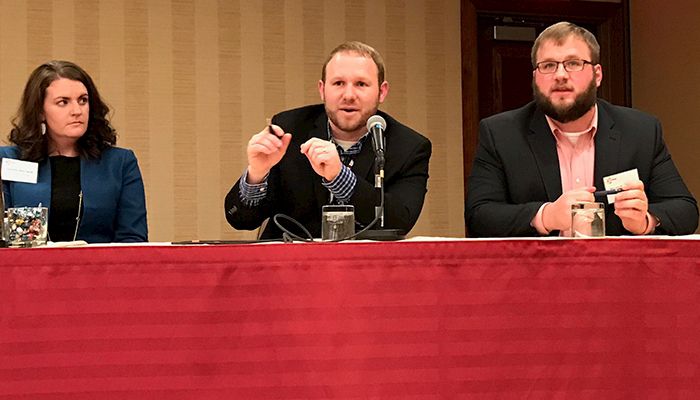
(65, 198)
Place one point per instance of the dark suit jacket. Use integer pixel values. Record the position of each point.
(516, 170)
(114, 204)
(295, 189)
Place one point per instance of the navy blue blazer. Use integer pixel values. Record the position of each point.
(516, 170)
(114, 203)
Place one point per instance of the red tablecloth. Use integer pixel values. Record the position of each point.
(513, 319)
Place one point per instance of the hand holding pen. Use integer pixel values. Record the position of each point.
(265, 149)
(601, 193)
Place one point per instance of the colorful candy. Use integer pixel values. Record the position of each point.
(27, 226)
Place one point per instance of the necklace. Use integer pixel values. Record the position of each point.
(77, 217)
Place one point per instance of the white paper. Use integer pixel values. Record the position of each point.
(19, 171)
(618, 180)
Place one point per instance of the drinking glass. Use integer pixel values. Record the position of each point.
(588, 219)
(337, 222)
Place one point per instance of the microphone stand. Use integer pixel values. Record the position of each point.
(379, 185)
(380, 234)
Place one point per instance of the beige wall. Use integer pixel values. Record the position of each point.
(665, 46)
(190, 80)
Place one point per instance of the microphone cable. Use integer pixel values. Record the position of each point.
(289, 236)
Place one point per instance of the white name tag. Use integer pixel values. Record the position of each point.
(19, 171)
(618, 180)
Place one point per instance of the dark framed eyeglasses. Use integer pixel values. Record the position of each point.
(550, 67)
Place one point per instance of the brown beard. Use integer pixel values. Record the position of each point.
(582, 104)
(350, 128)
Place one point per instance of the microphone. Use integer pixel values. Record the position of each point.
(376, 125)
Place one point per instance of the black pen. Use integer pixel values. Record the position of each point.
(607, 192)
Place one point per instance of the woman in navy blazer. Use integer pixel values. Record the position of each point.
(93, 189)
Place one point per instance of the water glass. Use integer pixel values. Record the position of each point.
(588, 219)
(337, 222)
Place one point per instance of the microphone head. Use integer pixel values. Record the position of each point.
(376, 120)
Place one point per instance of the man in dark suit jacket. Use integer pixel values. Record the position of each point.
(321, 154)
(532, 163)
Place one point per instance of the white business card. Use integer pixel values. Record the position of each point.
(19, 171)
(617, 181)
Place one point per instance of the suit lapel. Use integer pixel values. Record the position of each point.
(364, 161)
(607, 147)
(544, 146)
(43, 186)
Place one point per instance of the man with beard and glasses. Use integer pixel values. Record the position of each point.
(322, 154)
(533, 163)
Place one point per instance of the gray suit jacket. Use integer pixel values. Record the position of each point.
(516, 170)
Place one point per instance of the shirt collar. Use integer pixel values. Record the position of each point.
(354, 149)
(590, 130)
